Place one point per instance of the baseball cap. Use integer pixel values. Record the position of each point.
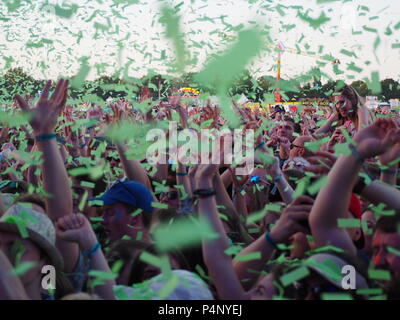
(36, 226)
(329, 266)
(187, 286)
(129, 192)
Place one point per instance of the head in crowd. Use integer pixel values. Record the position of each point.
(35, 243)
(385, 246)
(347, 102)
(126, 210)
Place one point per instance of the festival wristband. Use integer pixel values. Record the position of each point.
(270, 240)
(278, 177)
(181, 174)
(356, 154)
(262, 144)
(204, 193)
(89, 253)
(46, 137)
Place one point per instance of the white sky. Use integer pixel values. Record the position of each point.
(141, 35)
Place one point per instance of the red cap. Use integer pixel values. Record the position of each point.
(356, 210)
(355, 206)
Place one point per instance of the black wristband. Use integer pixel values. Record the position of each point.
(204, 193)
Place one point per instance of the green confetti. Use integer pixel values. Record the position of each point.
(294, 276)
(336, 296)
(182, 234)
(379, 274)
(169, 287)
(23, 268)
(67, 11)
(248, 257)
(392, 250)
(375, 84)
(314, 23)
(83, 201)
(349, 223)
(158, 205)
(150, 259)
(369, 291)
(318, 185)
(87, 184)
(171, 21)
(79, 79)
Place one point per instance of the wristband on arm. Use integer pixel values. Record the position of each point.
(270, 240)
(46, 137)
(356, 154)
(89, 253)
(204, 193)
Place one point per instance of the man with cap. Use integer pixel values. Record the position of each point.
(126, 210)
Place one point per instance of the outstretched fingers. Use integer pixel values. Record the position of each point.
(45, 92)
(22, 103)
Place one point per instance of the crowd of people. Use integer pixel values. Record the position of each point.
(321, 199)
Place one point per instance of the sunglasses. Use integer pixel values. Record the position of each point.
(171, 195)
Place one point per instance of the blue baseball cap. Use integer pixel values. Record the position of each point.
(130, 192)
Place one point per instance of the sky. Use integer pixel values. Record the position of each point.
(109, 35)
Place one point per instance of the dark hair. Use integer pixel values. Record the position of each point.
(99, 184)
(351, 94)
(15, 187)
(296, 125)
(389, 224)
(32, 198)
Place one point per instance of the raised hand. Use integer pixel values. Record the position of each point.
(238, 181)
(272, 141)
(390, 156)
(321, 163)
(76, 228)
(293, 219)
(377, 138)
(174, 100)
(44, 116)
(273, 169)
(205, 171)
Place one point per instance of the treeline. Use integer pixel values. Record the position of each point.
(16, 81)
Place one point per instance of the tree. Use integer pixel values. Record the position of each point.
(17, 81)
(362, 88)
(390, 90)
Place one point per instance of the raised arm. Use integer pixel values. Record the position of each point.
(77, 229)
(389, 160)
(327, 125)
(287, 225)
(218, 263)
(333, 199)
(133, 170)
(55, 178)
(285, 190)
(273, 169)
